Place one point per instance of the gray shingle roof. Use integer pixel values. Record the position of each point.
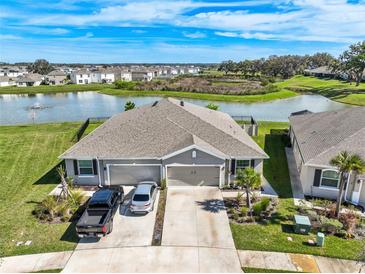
(155, 131)
(321, 136)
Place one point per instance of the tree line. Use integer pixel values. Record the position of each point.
(350, 63)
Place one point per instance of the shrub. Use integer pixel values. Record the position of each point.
(330, 225)
(265, 202)
(235, 215)
(76, 199)
(47, 209)
(124, 85)
(163, 184)
(257, 209)
(244, 211)
(239, 198)
(212, 106)
(349, 221)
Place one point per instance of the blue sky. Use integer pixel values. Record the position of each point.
(118, 31)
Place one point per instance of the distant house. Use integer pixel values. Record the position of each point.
(81, 77)
(56, 77)
(324, 71)
(142, 76)
(318, 137)
(126, 75)
(109, 75)
(6, 81)
(31, 79)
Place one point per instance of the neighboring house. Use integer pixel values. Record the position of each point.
(182, 142)
(126, 76)
(323, 71)
(6, 81)
(28, 80)
(142, 76)
(318, 137)
(81, 77)
(56, 77)
(109, 75)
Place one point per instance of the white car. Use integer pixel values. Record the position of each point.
(144, 197)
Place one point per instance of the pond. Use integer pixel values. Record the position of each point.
(40, 108)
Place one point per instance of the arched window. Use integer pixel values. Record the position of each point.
(330, 178)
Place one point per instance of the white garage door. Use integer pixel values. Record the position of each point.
(193, 176)
(132, 175)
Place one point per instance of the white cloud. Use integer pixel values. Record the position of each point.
(299, 20)
(194, 35)
(9, 37)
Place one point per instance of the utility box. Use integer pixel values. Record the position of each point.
(320, 239)
(302, 224)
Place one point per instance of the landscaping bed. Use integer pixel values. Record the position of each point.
(160, 215)
(274, 233)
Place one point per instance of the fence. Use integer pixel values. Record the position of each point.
(249, 124)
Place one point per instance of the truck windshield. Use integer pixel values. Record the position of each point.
(141, 197)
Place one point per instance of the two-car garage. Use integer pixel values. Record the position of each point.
(176, 175)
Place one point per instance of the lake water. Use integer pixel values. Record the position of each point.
(16, 109)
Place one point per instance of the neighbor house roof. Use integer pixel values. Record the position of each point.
(157, 130)
(56, 73)
(30, 77)
(321, 136)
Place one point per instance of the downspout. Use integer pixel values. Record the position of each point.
(97, 160)
(347, 186)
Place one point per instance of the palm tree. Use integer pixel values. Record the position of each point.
(249, 179)
(346, 163)
(129, 105)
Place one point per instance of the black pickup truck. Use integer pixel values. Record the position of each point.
(97, 219)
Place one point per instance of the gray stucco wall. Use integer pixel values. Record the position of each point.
(80, 179)
(307, 178)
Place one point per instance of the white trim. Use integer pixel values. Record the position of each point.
(134, 164)
(177, 152)
(329, 187)
(193, 165)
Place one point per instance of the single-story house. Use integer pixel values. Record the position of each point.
(6, 81)
(170, 139)
(318, 137)
(28, 80)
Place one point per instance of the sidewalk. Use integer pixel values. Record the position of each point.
(297, 262)
(34, 262)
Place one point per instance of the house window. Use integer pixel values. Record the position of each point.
(242, 164)
(86, 167)
(330, 178)
(80, 81)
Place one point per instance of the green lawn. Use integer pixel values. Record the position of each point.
(27, 153)
(205, 96)
(273, 236)
(52, 89)
(340, 91)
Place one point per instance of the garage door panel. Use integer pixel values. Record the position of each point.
(193, 176)
(132, 175)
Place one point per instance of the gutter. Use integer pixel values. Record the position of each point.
(99, 175)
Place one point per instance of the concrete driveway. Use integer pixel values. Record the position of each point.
(196, 238)
(196, 216)
(128, 229)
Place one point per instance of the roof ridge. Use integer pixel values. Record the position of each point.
(333, 146)
(229, 135)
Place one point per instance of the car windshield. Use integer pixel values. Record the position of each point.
(141, 197)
